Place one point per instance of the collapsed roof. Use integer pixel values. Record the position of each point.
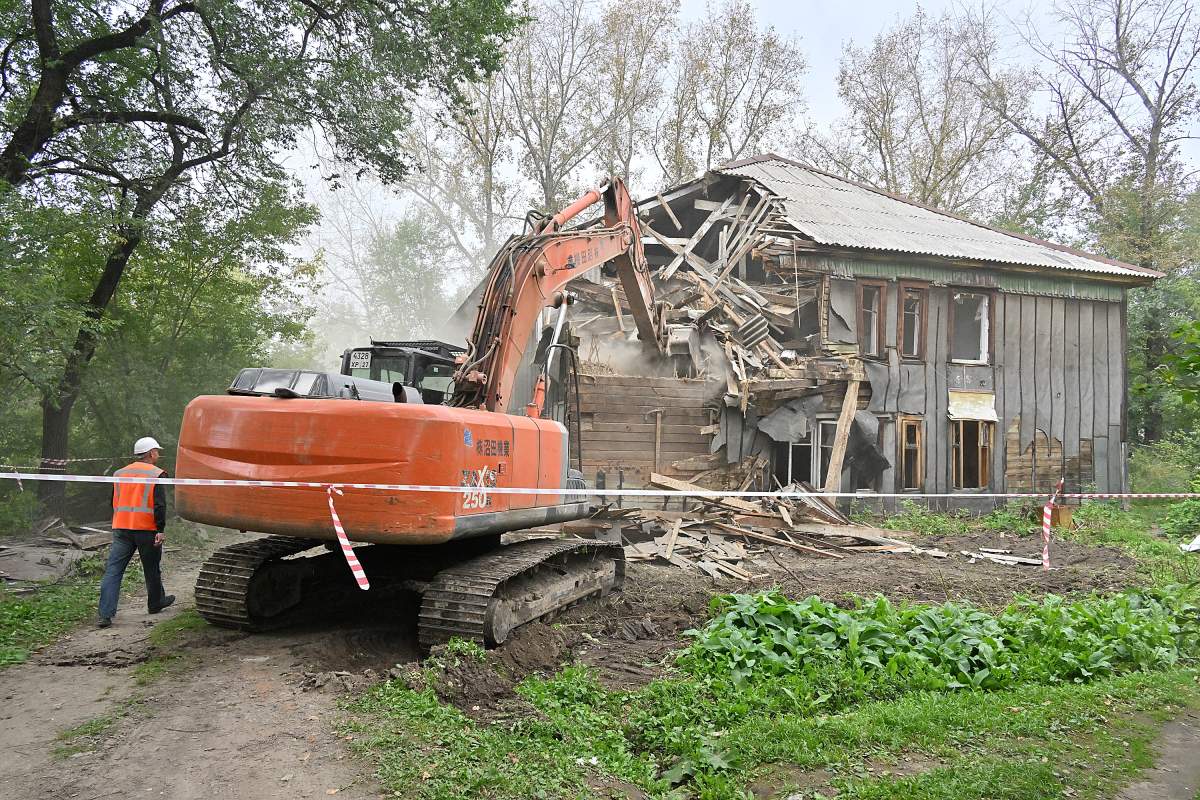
(836, 212)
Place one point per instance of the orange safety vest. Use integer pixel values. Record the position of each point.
(133, 503)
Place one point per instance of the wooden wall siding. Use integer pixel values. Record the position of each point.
(617, 426)
(1057, 370)
(1037, 466)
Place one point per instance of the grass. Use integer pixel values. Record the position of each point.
(164, 637)
(1047, 699)
(30, 621)
(1035, 742)
(1159, 558)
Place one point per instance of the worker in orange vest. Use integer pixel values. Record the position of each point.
(139, 519)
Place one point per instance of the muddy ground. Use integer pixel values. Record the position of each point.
(255, 716)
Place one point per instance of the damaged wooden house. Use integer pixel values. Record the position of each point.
(831, 335)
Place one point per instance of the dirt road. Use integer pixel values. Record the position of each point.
(228, 719)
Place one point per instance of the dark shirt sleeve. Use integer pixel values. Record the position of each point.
(160, 505)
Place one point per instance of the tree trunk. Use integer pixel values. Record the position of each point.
(56, 424)
(57, 404)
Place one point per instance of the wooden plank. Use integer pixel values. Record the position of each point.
(667, 207)
(762, 537)
(672, 536)
(1042, 389)
(833, 481)
(643, 382)
(665, 482)
(666, 440)
(1071, 380)
(1116, 370)
(935, 351)
(1087, 402)
(872, 535)
(1009, 385)
(647, 427)
(1027, 369)
(1058, 367)
(1101, 358)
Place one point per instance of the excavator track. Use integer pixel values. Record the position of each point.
(484, 598)
(224, 591)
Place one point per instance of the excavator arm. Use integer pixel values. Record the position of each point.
(528, 274)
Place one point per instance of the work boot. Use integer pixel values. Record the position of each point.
(104, 622)
(166, 601)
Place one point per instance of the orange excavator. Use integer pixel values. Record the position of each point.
(332, 429)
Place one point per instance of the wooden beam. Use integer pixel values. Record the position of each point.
(671, 537)
(617, 308)
(682, 256)
(665, 482)
(833, 481)
(762, 537)
(667, 207)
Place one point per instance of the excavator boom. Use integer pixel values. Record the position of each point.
(527, 274)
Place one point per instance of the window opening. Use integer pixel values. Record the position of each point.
(912, 322)
(870, 319)
(969, 327)
(826, 433)
(972, 453)
(793, 461)
(912, 455)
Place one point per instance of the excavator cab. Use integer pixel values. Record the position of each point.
(425, 365)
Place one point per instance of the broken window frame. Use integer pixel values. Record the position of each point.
(903, 424)
(984, 444)
(820, 446)
(922, 331)
(880, 313)
(985, 337)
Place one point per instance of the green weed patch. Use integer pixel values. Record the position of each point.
(950, 646)
(988, 698)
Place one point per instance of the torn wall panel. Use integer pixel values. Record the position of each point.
(843, 311)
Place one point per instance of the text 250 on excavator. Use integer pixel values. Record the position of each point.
(413, 425)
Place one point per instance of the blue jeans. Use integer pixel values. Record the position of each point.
(123, 545)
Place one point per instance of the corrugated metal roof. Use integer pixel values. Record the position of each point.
(835, 211)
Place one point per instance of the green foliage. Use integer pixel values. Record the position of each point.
(1168, 465)
(1012, 518)
(916, 517)
(951, 646)
(18, 508)
(170, 631)
(465, 649)
(706, 735)
(1182, 520)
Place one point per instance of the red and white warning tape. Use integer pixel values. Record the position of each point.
(360, 576)
(700, 493)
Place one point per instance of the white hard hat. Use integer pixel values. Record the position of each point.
(145, 445)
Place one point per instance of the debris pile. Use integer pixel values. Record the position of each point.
(721, 536)
(50, 550)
